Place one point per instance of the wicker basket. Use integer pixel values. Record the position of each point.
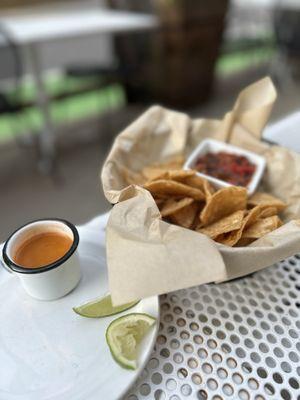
(175, 65)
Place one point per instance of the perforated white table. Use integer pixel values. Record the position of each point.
(236, 340)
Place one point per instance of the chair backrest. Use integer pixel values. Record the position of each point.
(287, 28)
(144, 6)
(11, 64)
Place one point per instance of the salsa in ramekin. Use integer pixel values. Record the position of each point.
(224, 165)
(235, 169)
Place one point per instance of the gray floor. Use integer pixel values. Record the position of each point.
(75, 191)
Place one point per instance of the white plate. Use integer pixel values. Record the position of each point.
(47, 352)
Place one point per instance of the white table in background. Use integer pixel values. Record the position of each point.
(36, 27)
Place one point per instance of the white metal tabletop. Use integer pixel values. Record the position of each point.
(32, 29)
(238, 340)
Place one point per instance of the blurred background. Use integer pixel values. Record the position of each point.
(73, 74)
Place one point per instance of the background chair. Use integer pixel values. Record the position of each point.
(286, 22)
(11, 72)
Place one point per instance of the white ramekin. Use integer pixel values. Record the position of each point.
(214, 146)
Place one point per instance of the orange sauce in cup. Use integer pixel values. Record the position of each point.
(42, 249)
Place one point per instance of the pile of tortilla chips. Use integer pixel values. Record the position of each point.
(226, 215)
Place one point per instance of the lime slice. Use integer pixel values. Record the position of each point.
(101, 308)
(123, 336)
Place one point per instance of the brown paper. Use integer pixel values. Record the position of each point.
(147, 256)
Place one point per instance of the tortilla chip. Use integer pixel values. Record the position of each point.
(208, 190)
(157, 169)
(235, 237)
(195, 181)
(188, 200)
(179, 175)
(265, 199)
(200, 183)
(132, 178)
(244, 242)
(268, 211)
(160, 202)
(222, 203)
(171, 206)
(196, 224)
(227, 224)
(262, 227)
(172, 188)
(232, 238)
(186, 216)
(252, 216)
(229, 238)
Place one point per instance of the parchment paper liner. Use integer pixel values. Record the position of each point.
(147, 256)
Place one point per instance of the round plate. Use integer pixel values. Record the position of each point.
(49, 352)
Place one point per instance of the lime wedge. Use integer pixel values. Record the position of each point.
(101, 308)
(123, 336)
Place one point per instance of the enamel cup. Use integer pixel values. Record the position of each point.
(51, 281)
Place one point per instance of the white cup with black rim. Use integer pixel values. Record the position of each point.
(51, 281)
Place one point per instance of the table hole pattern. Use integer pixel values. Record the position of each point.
(236, 340)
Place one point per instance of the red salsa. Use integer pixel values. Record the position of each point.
(228, 167)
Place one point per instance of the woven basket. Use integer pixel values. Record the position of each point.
(174, 65)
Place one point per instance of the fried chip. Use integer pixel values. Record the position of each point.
(252, 216)
(172, 206)
(267, 211)
(160, 202)
(222, 203)
(279, 222)
(262, 227)
(189, 200)
(208, 190)
(196, 181)
(200, 183)
(244, 242)
(179, 175)
(172, 188)
(232, 238)
(186, 216)
(265, 199)
(195, 226)
(157, 169)
(230, 223)
(229, 238)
